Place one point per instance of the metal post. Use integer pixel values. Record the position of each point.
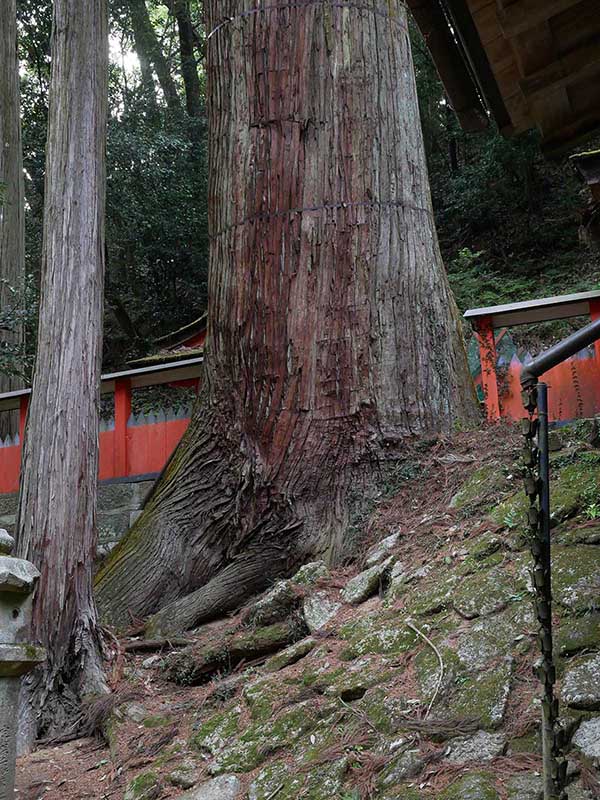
(537, 488)
(546, 639)
(17, 583)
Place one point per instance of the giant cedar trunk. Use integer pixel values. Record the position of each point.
(57, 511)
(12, 255)
(332, 331)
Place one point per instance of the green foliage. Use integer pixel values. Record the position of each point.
(507, 220)
(19, 314)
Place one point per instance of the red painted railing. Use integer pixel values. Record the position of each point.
(575, 383)
(132, 446)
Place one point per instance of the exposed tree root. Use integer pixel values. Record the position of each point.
(197, 665)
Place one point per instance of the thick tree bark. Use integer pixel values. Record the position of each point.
(12, 246)
(189, 68)
(333, 334)
(149, 51)
(56, 525)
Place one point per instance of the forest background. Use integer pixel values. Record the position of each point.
(509, 222)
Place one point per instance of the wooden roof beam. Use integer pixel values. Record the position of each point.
(525, 14)
(466, 31)
(566, 70)
(452, 69)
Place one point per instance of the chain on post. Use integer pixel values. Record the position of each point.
(555, 765)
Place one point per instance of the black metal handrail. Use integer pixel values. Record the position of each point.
(537, 488)
(560, 352)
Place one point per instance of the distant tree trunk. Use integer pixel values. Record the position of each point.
(12, 243)
(189, 68)
(333, 334)
(149, 50)
(56, 525)
(148, 86)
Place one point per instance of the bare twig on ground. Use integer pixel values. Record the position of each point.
(441, 661)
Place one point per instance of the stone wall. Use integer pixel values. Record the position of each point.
(119, 504)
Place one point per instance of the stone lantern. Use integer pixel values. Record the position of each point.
(17, 657)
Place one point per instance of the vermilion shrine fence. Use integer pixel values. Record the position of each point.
(129, 445)
(575, 383)
(138, 446)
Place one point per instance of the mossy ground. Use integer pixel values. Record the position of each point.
(365, 707)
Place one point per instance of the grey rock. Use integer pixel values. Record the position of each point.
(224, 787)
(310, 573)
(420, 572)
(290, 655)
(6, 542)
(587, 738)
(406, 765)
(482, 746)
(17, 575)
(144, 787)
(185, 776)
(381, 550)
(366, 584)
(275, 605)
(577, 792)
(525, 787)
(489, 637)
(9, 521)
(136, 712)
(581, 684)
(152, 661)
(473, 786)
(399, 575)
(318, 610)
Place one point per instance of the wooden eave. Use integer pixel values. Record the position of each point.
(536, 63)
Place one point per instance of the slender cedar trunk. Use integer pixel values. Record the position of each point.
(189, 68)
(149, 51)
(12, 240)
(148, 86)
(56, 525)
(333, 335)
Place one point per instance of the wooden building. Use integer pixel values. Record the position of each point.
(527, 63)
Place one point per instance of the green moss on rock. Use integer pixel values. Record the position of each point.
(217, 731)
(476, 490)
(474, 786)
(403, 792)
(579, 633)
(572, 489)
(483, 695)
(498, 635)
(261, 739)
(288, 782)
(290, 655)
(485, 593)
(577, 533)
(433, 595)
(143, 787)
(384, 712)
(465, 694)
(576, 578)
(264, 694)
(385, 633)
